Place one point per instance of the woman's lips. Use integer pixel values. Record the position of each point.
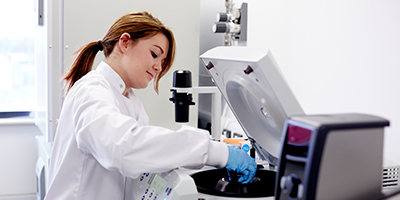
(151, 75)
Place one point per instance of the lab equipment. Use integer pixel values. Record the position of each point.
(42, 166)
(40, 179)
(336, 156)
(182, 100)
(233, 23)
(257, 93)
(254, 88)
(259, 97)
(174, 185)
(182, 97)
(390, 176)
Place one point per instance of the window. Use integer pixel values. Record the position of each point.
(17, 57)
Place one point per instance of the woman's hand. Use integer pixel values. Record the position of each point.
(239, 161)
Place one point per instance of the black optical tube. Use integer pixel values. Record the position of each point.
(182, 79)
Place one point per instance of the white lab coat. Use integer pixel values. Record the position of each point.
(103, 139)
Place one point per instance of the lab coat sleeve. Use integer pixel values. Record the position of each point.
(118, 142)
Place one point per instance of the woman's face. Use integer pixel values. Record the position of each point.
(143, 60)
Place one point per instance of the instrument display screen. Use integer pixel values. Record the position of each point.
(158, 183)
(298, 136)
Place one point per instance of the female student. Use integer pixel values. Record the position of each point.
(104, 138)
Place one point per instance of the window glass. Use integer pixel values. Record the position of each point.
(17, 56)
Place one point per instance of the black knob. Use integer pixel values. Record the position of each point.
(182, 79)
(291, 185)
(222, 17)
(220, 28)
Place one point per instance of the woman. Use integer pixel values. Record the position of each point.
(103, 137)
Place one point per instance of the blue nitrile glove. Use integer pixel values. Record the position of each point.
(239, 161)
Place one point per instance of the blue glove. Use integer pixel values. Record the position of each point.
(239, 161)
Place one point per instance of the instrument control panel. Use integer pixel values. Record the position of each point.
(175, 184)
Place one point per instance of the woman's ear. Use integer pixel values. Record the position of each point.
(123, 42)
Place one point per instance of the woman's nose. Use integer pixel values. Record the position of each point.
(157, 67)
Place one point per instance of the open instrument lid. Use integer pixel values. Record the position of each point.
(255, 90)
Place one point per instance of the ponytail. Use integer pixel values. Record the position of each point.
(82, 64)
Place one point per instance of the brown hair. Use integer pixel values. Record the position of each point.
(138, 25)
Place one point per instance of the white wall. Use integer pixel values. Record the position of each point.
(18, 154)
(337, 56)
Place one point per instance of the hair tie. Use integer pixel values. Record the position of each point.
(100, 44)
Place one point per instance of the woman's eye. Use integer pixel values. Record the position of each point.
(154, 55)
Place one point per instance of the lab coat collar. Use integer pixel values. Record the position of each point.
(112, 76)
